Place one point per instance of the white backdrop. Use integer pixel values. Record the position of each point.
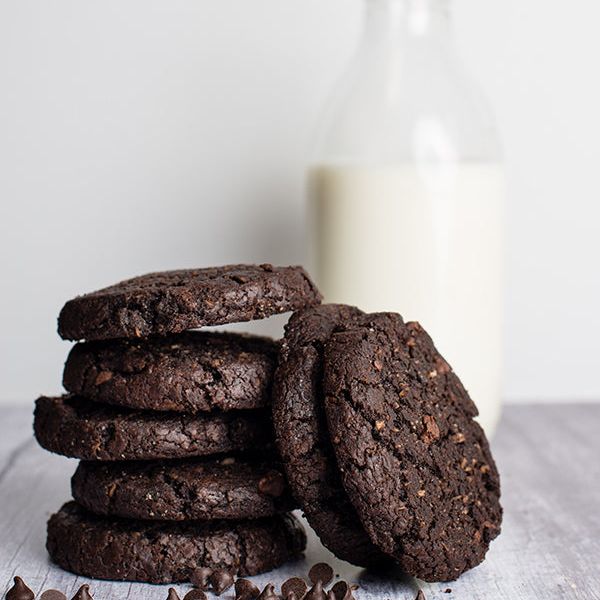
(139, 135)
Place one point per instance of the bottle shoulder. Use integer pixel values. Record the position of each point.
(406, 106)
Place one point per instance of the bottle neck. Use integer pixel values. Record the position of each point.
(394, 20)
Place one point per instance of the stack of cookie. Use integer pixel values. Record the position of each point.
(173, 427)
(375, 431)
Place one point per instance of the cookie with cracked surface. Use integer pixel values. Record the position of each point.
(147, 551)
(179, 490)
(79, 428)
(174, 301)
(191, 372)
(414, 463)
(303, 439)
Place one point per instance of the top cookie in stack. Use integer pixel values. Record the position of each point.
(174, 301)
(144, 388)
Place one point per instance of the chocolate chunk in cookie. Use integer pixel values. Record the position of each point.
(79, 428)
(303, 439)
(178, 490)
(124, 550)
(415, 464)
(191, 372)
(173, 301)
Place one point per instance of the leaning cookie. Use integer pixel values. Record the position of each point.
(79, 428)
(124, 550)
(174, 301)
(179, 490)
(303, 439)
(414, 463)
(194, 371)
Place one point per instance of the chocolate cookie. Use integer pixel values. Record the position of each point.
(173, 301)
(189, 372)
(110, 548)
(178, 490)
(303, 439)
(415, 464)
(80, 428)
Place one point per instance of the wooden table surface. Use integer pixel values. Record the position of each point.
(549, 460)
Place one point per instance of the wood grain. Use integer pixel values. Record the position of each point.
(549, 459)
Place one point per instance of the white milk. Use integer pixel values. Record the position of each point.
(426, 242)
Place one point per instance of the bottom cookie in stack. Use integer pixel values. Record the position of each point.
(163, 552)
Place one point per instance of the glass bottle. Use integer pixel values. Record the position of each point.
(406, 192)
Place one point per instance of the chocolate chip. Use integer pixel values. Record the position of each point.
(200, 576)
(448, 591)
(246, 590)
(19, 591)
(53, 595)
(83, 593)
(272, 484)
(173, 595)
(268, 593)
(316, 592)
(420, 595)
(339, 589)
(342, 591)
(320, 572)
(221, 580)
(195, 595)
(295, 585)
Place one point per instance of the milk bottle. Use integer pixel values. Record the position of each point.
(406, 193)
